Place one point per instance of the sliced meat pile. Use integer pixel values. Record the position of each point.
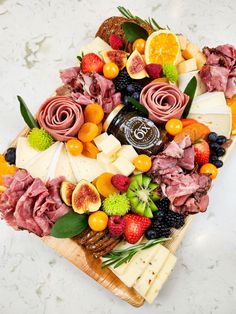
(61, 116)
(219, 72)
(99, 243)
(89, 88)
(29, 204)
(163, 101)
(186, 191)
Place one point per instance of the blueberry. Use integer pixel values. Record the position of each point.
(218, 163)
(151, 234)
(126, 101)
(212, 137)
(221, 139)
(214, 146)
(130, 88)
(11, 156)
(220, 152)
(213, 158)
(135, 96)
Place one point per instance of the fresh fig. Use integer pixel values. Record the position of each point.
(85, 198)
(118, 57)
(136, 66)
(66, 191)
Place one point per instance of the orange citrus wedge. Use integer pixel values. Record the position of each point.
(162, 47)
(232, 103)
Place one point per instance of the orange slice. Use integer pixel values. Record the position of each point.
(232, 103)
(162, 47)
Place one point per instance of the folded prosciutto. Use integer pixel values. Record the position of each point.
(163, 101)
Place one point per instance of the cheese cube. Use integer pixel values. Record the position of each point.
(187, 66)
(123, 166)
(200, 59)
(128, 152)
(190, 51)
(106, 162)
(100, 139)
(110, 145)
(179, 59)
(182, 41)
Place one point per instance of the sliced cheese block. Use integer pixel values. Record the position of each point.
(161, 278)
(123, 166)
(190, 51)
(185, 78)
(100, 139)
(85, 168)
(182, 42)
(96, 46)
(200, 59)
(147, 278)
(39, 167)
(128, 152)
(24, 152)
(63, 166)
(187, 66)
(110, 145)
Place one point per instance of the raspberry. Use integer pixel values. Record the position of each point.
(116, 226)
(120, 182)
(115, 42)
(154, 70)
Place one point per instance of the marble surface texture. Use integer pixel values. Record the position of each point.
(37, 38)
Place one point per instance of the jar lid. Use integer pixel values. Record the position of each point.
(112, 116)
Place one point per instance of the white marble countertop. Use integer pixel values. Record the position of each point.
(37, 38)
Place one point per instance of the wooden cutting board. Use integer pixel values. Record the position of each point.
(78, 256)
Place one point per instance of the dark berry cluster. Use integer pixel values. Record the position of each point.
(217, 151)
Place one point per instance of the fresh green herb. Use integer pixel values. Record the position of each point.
(140, 108)
(190, 90)
(119, 257)
(134, 31)
(126, 13)
(26, 114)
(69, 225)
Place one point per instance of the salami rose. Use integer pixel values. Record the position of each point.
(163, 101)
(61, 116)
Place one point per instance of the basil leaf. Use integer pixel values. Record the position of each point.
(140, 108)
(190, 90)
(26, 114)
(134, 31)
(69, 225)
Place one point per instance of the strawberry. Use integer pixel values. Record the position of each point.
(201, 151)
(135, 226)
(115, 42)
(91, 63)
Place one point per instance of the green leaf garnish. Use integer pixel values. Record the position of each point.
(134, 31)
(26, 114)
(119, 257)
(190, 90)
(69, 225)
(140, 108)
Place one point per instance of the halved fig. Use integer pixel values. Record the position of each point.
(85, 198)
(66, 191)
(136, 66)
(118, 57)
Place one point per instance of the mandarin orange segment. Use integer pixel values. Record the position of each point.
(195, 131)
(93, 113)
(90, 150)
(104, 185)
(88, 132)
(232, 103)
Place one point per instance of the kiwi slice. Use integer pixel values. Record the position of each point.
(142, 195)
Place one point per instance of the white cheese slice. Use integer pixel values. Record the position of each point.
(52, 169)
(161, 278)
(185, 78)
(96, 46)
(145, 281)
(24, 152)
(128, 152)
(100, 139)
(85, 168)
(39, 166)
(63, 166)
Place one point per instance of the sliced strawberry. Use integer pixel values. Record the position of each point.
(135, 226)
(202, 152)
(91, 63)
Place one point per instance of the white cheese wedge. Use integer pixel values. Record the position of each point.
(24, 152)
(100, 139)
(96, 46)
(123, 166)
(185, 78)
(212, 110)
(161, 278)
(84, 167)
(63, 166)
(39, 166)
(52, 169)
(110, 145)
(147, 278)
(128, 152)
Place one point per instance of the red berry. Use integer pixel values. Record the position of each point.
(135, 226)
(116, 226)
(115, 42)
(202, 152)
(91, 63)
(120, 182)
(154, 70)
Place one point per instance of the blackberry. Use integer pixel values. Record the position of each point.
(161, 229)
(163, 204)
(122, 81)
(158, 215)
(173, 220)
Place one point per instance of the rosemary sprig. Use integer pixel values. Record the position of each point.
(126, 13)
(119, 257)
